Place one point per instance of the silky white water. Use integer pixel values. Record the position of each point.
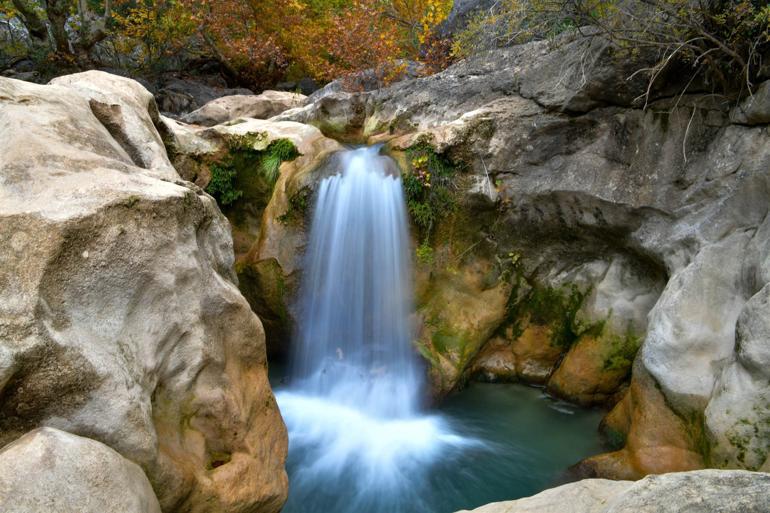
(352, 409)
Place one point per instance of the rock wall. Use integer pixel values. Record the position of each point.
(580, 225)
(120, 316)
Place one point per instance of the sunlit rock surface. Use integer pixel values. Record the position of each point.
(228, 108)
(120, 318)
(728, 491)
(49, 470)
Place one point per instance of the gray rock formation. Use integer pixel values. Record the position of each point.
(120, 318)
(49, 470)
(725, 491)
(579, 179)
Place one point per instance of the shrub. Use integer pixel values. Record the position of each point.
(428, 188)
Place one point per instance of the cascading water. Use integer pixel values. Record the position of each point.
(352, 409)
(357, 439)
(354, 344)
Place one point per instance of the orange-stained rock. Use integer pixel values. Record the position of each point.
(531, 357)
(658, 441)
(585, 376)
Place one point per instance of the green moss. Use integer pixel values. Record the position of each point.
(424, 254)
(299, 203)
(222, 184)
(278, 151)
(622, 350)
(248, 171)
(556, 307)
(446, 341)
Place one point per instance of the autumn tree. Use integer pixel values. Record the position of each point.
(152, 33)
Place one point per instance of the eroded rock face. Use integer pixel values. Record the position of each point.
(50, 470)
(728, 491)
(120, 318)
(658, 215)
(228, 108)
(268, 220)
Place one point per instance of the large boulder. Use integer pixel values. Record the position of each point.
(726, 491)
(50, 470)
(228, 108)
(120, 318)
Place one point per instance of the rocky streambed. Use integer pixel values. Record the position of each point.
(563, 236)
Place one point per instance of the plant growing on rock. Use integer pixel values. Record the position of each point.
(244, 166)
(428, 186)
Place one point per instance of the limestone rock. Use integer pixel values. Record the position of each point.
(727, 491)
(50, 470)
(228, 108)
(176, 96)
(754, 110)
(120, 319)
(660, 212)
(128, 111)
(587, 496)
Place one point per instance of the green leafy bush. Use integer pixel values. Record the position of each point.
(243, 165)
(222, 184)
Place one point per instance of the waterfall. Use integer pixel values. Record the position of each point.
(354, 342)
(357, 439)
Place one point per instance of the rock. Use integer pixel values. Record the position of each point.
(119, 312)
(228, 108)
(654, 439)
(50, 470)
(268, 220)
(180, 95)
(128, 112)
(754, 110)
(587, 496)
(728, 491)
(738, 415)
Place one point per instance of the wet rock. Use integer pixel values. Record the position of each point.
(50, 470)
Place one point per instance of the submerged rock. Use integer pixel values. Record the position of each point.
(49, 470)
(119, 311)
(728, 491)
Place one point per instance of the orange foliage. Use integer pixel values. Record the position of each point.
(262, 40)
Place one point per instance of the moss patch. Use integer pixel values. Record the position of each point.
(299, 205)
(247, 172)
